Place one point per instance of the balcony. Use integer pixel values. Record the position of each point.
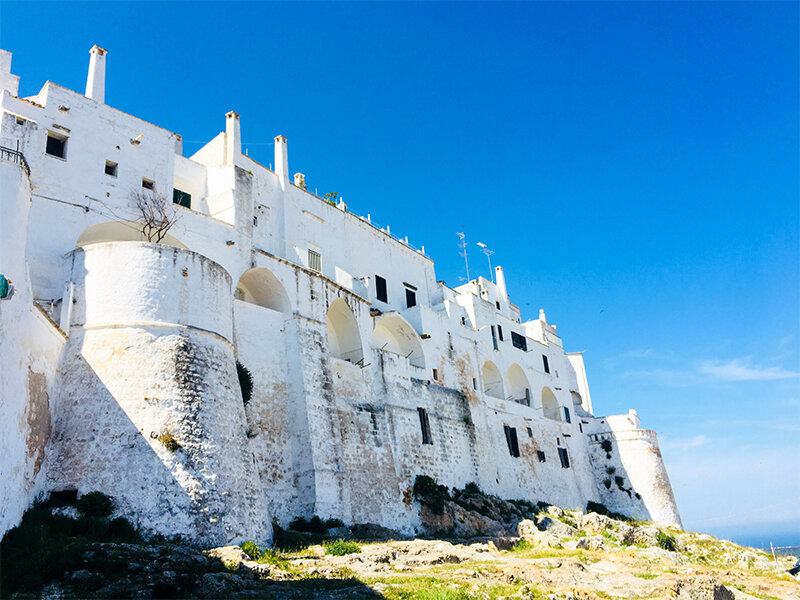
(15, 156)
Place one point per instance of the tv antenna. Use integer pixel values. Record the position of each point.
(488, 254)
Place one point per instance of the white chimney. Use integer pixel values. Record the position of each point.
(542, 318)
(233, 137)
(500, 278)
(281, 161)
(96, 81)
(300, 180)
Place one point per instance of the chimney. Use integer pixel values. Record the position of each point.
(300, 180)
(500, 278)
(542, 318)
(233, 137)
(96, 81)
(281, 161)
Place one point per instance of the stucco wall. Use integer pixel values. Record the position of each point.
(149, 352)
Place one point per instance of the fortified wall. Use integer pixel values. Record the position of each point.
(119, 370)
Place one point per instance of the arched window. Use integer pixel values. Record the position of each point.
(393, 333)
(519, 389)
(344, 340)
(492, 380)
(550, 407)
(120, 231)
(259, 286)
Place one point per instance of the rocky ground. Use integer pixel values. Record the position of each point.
(553, 554)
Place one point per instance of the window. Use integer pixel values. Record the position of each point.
(563, 457)
(527, 396)
(474, 383)
(519, 341)
(314, 261)
(497, 304)
(425, 425)
(380, 289)
(463, 320)
(494, 338)
(500, 332)
(546, 364)
(181, 198)
(411, 298)
(511, 440)
(530, 432)
(148, 184)
(436, 374)
(56, 145)
(111, 168)
(540, 456)
(567, 417)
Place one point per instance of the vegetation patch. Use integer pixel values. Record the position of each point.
(601, 509)
(169, 441)
(426, 491)
(251, 549)
(95, 504)
(341, 547)
(666, 541)
(245, 382)
(314, 525)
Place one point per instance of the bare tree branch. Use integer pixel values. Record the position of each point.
(156, 214)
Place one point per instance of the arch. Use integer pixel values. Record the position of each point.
(120, 231)
(259, 286)
(518, 386)
(550, 407)
(394, 334)
(344, 341)
(492, 380)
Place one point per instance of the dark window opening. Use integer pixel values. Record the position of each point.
(546, 364)
(527, 397)
(474, 383)
(111, 168)
(148, 184)
(567, 416)
(530, 432)
(255, 221)
(182, 198)
(425, 425)
(500, 332)
(494, 338)
(540, 456)
(411, 298)
(56, 146)
(380, 289)
(436, 374)
(519, 341)
(564, 458)
(511, 440)
(497, 304)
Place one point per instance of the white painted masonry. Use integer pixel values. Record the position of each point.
(112, 341)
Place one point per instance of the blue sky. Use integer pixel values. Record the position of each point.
(634, 166)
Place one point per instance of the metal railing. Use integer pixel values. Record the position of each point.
(15, 156)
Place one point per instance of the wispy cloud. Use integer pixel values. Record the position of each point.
(715, 370)
(741, 370)
(683, 444)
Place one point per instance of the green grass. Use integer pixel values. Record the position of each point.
(341, 547)
(646, 575)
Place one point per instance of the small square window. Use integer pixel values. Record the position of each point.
(540, 456)
(181, 198)
(111, 168)
(315, 261)
(20, 121)
(380, 289)
(411, 298)
(148, 184)
(436, 374)
(497, 304)
(56, 145)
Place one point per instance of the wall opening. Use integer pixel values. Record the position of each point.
(344, 340)
(259, 286)
(519, 389)
(392, 333)
(492, 380)
(550, 407)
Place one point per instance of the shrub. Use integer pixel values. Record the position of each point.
(611, 470)
(331, 523)
(341, 547)
(606, 445)
(95, 504)
(607, 483)
(169, 441)
(522, 545)
(430, 493)
(251, 549)
(245, 382)
(620, 481)
(601, 509)
(292, 540)
(666, 541)
(472, 488)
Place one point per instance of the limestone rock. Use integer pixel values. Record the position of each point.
(701, 588)
(555, 527)
(594, 523)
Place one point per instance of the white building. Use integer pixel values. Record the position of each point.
(367, 370)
